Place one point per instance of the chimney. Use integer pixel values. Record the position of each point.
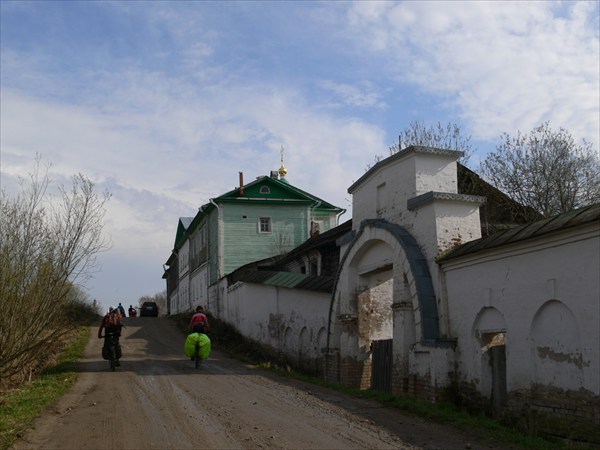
(241, 184)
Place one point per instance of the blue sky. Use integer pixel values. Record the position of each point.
(163, 103)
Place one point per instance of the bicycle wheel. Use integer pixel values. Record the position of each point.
(113, 358)
(197, 356)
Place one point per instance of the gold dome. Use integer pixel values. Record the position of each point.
(282, 169)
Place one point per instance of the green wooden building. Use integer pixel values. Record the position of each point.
(265, 218)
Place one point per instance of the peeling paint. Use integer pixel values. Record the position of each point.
(549, 353)
(274, 324)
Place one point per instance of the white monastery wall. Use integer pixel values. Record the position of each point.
(384, 193)
(545, 295)
(435, 173)
(289, 320)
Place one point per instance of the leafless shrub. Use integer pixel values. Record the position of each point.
(545, 171)
(47, 246)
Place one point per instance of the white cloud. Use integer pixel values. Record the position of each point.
(151, 146)
(168, 112)
(364, 95)
(506, 65)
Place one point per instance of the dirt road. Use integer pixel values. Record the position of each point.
(158, 400)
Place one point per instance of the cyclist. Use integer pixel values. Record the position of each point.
(111, 323)
(199, 321)
(132, 311)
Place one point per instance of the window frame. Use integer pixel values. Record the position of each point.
(269, 225)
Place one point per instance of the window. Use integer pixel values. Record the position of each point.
(264, 225)
(265, 190)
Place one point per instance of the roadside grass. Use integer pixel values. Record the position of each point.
(227, 340)
(20, 406)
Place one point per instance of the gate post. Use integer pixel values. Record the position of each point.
(404, 338)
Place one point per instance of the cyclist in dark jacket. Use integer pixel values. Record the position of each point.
(111, 323)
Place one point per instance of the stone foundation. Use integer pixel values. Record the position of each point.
(573, 415)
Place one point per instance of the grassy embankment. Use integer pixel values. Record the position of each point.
(20, 405)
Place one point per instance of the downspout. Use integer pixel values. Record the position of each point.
(337, 217)
(310, 219)
(219, 246)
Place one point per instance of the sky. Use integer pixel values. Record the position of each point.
(164, 103)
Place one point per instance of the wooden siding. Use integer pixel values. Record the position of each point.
(243, 243)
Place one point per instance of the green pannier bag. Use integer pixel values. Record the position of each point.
(190, 345)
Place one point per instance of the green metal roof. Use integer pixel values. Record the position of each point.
(278, 191)
(286, 279)
(182, 225)
(575, 218)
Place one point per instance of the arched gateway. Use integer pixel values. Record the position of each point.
(388, 322)
(383, 291)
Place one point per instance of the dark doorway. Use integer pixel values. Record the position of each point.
(381, 370)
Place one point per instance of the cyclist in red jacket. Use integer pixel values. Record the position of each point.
(199, 321)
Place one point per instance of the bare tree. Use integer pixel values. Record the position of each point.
(47, 246)
(437, 136)
(545, 170)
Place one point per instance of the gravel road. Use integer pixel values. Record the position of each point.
(158, 400)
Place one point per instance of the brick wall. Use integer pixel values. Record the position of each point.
(332, 367)
(571, 415)
(545, 409)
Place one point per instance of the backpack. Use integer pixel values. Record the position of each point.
(198, 318)
(113, 321)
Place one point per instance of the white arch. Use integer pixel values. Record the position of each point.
(407, 261)
(556, 354)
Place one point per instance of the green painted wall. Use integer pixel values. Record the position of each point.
(242, 241)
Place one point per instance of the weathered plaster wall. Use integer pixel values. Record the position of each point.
(437, 223)
(289, 320)
(545, 296)
(384, 193)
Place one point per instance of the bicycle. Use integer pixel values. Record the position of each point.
(197, 355)
(112, 347)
